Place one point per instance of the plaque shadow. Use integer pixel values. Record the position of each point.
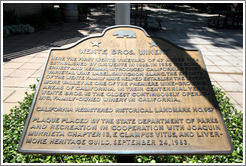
(211, 97)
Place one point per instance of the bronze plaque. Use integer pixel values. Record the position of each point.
(124, 92)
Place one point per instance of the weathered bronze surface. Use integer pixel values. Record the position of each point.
(125, 93)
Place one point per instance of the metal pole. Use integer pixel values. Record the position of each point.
(141, 16)
(122, 17)
(122, 14)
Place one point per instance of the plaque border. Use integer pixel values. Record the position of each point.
(121, 152)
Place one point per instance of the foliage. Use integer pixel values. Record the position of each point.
(13, 125)
(6, 32)
(38, 21)
(10, 17)
(52, 15)
(17, 29)
(84, 8)
(234, 123)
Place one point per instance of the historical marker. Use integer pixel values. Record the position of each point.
(125, 93)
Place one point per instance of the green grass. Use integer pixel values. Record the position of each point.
(14, 122)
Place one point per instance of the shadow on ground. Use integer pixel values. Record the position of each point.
(179, 27)
(56, 35)
(186, 26)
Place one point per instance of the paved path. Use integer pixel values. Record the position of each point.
(24, 55)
